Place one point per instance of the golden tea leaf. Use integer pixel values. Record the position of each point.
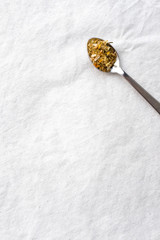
(102, 54)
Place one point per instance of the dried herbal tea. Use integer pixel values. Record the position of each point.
(102, 54)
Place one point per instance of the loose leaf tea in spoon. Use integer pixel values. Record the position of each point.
(102, 54)
(105, 58)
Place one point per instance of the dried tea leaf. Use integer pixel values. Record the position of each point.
(102, 54)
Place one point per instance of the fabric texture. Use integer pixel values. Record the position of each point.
(79, 148)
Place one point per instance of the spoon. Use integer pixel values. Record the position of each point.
(105, 58)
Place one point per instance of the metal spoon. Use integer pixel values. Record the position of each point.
(116, 68)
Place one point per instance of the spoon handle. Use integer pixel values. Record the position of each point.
(154, 103)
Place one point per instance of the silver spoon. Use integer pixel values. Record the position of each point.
(116, 68)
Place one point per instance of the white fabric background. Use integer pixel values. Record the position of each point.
(80, 149)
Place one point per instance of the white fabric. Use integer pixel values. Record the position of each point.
(80, 149)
